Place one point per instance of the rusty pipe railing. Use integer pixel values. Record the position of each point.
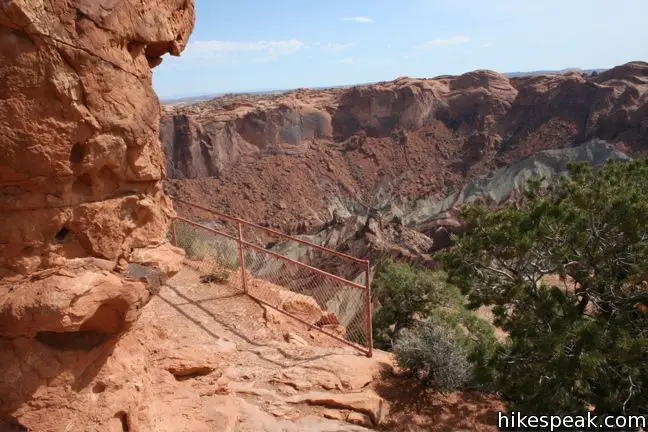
(367, 347)
(273, 232)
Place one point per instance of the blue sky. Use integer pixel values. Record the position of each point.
(247, 45)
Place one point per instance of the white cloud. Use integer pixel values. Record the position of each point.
(339, 46)
(455, 40)
(347, 60)
(359, 19)
(388, 46)
(486, 45)
(267, 49)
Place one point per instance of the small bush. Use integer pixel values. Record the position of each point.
(426, 322)
(187, 239)
(448, 350)
(435, 354)
(206, 247)
(225, 254)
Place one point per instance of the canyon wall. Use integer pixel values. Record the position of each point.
(81, 166)
(292, 160)
(82, 209)
(486, 111)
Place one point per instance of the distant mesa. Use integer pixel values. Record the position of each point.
(187, 100)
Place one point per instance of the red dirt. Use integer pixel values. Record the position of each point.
(414, 408)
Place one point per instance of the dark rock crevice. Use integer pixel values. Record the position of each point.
(81, 340)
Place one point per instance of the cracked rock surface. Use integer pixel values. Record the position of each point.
(80, 201)
(201, 357)
(81, 161)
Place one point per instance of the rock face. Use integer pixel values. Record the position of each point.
(82, 209)
(81, 166)
(483, 108)
(371, 145)
(71, 300)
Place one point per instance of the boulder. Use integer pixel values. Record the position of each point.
(68, 301)
(302, 306)
(165, 258)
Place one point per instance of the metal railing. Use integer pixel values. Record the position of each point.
(322, 288)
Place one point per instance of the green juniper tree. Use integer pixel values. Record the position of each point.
(580, 341)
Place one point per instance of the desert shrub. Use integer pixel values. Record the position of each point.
(225, 253)
(425, 321)
(203, 246)
(405, 294)
(435, 354)
(449, 349)
(566, 275)
(483, 347)
(187, 239)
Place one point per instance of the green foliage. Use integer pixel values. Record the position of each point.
(187, 239)
(583, 341)
(435, 354)
(433, 335)
(448, 350)
(403, 294)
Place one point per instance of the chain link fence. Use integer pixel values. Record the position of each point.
(324, 289)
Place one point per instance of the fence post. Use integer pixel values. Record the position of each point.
(368, 312)
(241, 256)
(174, 235)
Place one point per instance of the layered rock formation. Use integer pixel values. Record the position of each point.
(483, 107)
(367, 146)
(83, 213)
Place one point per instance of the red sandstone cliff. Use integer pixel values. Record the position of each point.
(278, 159)
(81, 167)
(82, 209)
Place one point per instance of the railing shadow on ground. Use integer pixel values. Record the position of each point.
(262, 272)
(230, 328)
